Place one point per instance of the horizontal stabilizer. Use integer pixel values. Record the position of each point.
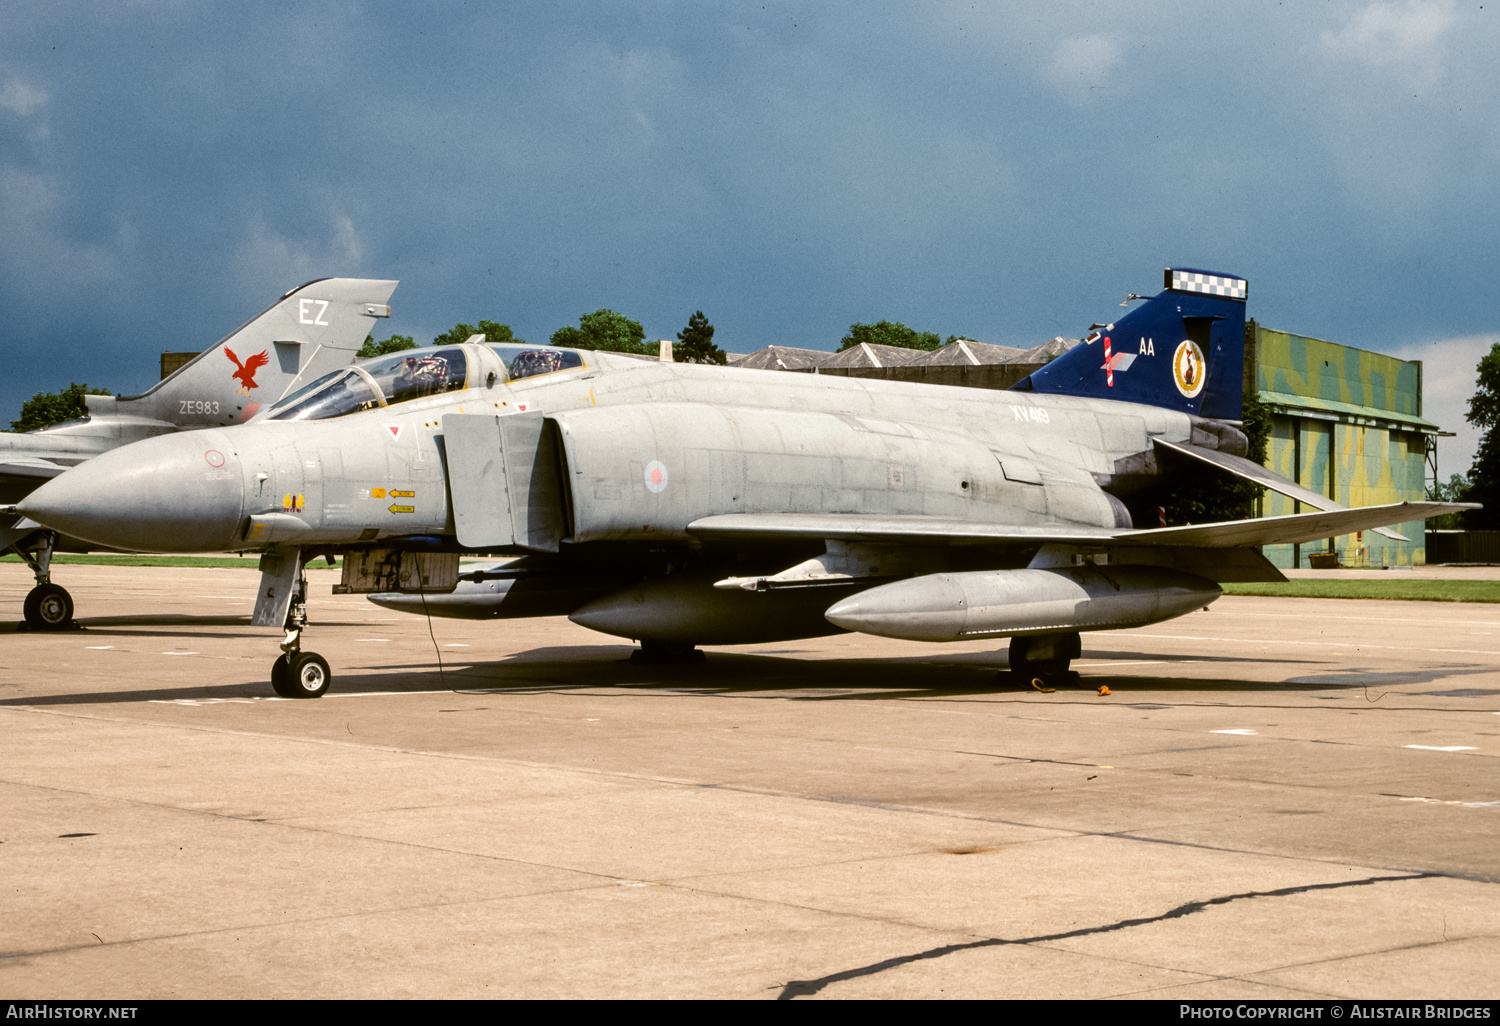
(30, 467)
(1299, 527)
(1254, 472)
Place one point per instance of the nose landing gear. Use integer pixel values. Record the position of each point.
(48, 606)
(295, 673)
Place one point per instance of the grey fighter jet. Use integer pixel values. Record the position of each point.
(307, 333)
(681, 505)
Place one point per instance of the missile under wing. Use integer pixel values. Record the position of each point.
(681, 505)
(309, 331)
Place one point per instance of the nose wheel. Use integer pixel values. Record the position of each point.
(301, 675)
(295, 673)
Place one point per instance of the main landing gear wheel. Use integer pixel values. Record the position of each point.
(667, 652)
(1041, 661)
(48, 607)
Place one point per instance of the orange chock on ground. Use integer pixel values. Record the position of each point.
(1103, 689)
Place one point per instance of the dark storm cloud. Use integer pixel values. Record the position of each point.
(1007, 172)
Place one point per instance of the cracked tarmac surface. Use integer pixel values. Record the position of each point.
(800, 988)
(1281, 798)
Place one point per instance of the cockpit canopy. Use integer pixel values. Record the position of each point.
(413, 374)
(529, 361)
(410, 374)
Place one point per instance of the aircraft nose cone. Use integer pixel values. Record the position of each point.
(175, 493)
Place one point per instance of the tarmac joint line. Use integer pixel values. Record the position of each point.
(806, 988)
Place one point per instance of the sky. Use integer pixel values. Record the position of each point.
(1003, 172)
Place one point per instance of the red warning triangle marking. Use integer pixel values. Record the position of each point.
(395, 430)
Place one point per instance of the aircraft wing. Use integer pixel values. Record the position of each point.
(1299, 527)
(878, 527)
(1249, 470)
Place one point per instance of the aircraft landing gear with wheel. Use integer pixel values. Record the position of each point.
(668, 652)
(1041, 661)
(48, 606)
(295, 673)
(301, 675)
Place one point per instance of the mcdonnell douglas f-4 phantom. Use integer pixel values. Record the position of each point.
(311, 330)
(681, 505)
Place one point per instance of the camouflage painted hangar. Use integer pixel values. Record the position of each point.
(1345, 422)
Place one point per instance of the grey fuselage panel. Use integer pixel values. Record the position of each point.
(644, 449)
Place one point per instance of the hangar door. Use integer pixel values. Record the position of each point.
(503, 481)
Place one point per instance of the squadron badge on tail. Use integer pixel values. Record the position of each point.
(246, 373)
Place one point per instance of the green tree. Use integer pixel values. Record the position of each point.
(47, 408)
(604, 330)
(889, 333)
(494, 334)
(394, 344)
(1484, 475)
(698, 342)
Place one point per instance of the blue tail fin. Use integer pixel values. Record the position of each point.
(1183, 349)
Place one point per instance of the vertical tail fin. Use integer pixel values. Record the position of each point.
(1183, 349)
(313, 329)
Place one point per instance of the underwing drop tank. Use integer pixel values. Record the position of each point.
(689, 610)
(995, 603)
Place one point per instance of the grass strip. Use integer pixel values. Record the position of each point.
(1403, 590)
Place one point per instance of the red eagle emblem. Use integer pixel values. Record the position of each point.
(246, 373)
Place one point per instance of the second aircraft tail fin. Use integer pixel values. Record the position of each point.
(311, 330)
